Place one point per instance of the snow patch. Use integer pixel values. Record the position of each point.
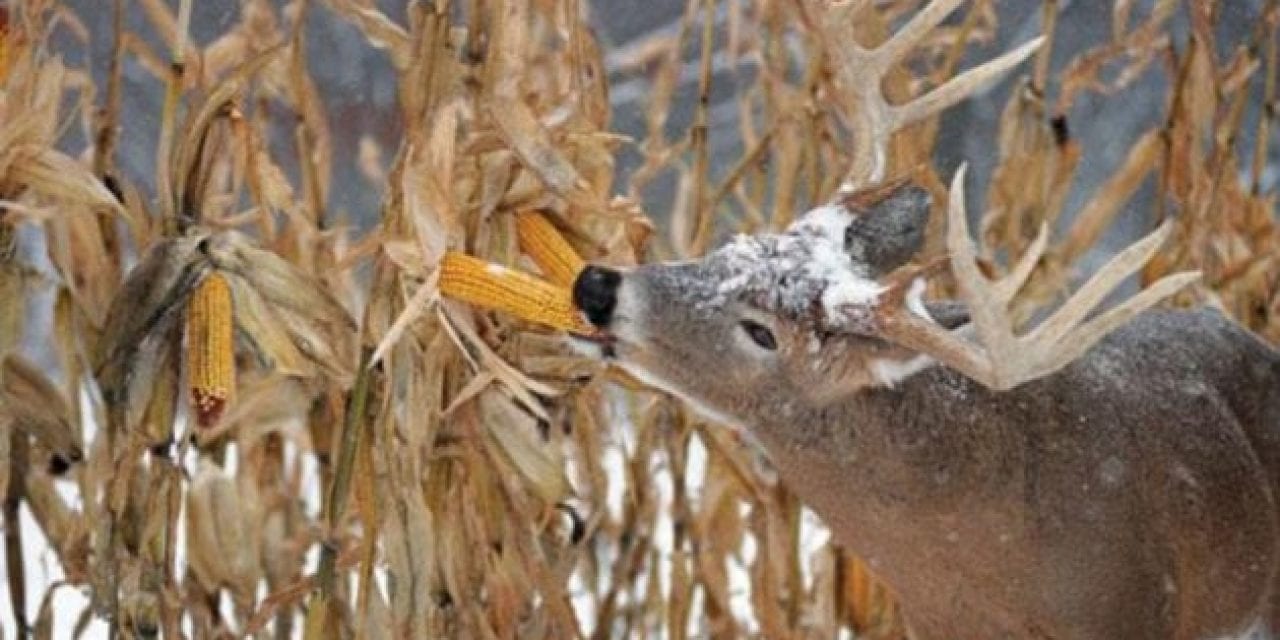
(915, 300)
(790, 271)
(828, 221)
(846, 287)
(849, 291)
(889, 372)
(734, 283)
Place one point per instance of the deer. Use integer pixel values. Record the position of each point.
(1098, 477)
(1101, 475)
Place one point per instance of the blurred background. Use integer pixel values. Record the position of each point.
(359, 91)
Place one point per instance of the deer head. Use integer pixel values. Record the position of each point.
(831, 305)
(764, 312)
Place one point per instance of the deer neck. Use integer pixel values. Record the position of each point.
(898, 483)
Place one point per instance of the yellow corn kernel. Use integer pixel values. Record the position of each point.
(211, 367)
(540, 240)
(475, 281)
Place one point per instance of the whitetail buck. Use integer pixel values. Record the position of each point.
(1104, 477)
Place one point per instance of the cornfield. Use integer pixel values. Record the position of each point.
(231, 408)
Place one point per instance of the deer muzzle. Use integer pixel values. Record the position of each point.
(595, 292)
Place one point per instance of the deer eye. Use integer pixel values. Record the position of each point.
(759, 334)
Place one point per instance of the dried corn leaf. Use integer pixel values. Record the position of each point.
(56, 176)
(381, 31)
(152, 294)
(38, 408)
(516, 435)
(266, 332)
(531, 142)
(318, 325)
(64, 527)
(153, 388)
(13, 289)
(222, 533)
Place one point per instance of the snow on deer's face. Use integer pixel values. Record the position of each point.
(766, 319)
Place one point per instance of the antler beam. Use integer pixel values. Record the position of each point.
(860, 72)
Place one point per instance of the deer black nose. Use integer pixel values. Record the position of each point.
(595, 292)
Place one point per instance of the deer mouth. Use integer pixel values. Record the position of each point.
(595, 294)
(600, 343)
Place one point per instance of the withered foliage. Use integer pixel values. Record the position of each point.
(392, 463)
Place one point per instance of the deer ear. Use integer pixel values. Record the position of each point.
(888, 225)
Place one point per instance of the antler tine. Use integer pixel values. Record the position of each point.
(1009, 286)
(1066, 321)
(989, 312)
(962, 86)
(1119, 267)
(1084, 336)
(860, 72)
(900, 44)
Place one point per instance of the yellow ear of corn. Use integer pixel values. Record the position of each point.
(475, 281)
(210, 349)
(540, 240)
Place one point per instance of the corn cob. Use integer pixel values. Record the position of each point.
(540, 240)
(475, 281)
(210, 350)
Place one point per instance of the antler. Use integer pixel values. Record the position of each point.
(860, 73)
(1003, 359)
